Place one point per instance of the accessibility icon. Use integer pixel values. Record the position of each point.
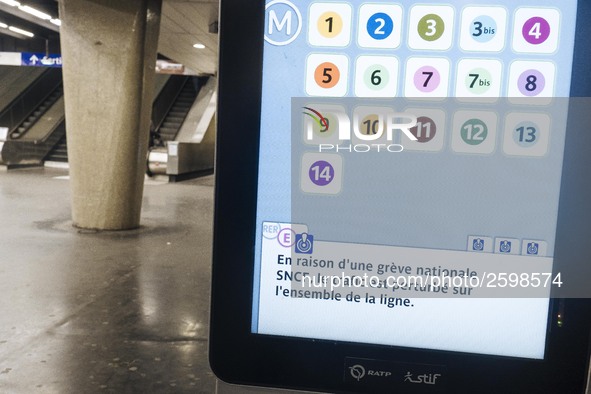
(304, 243)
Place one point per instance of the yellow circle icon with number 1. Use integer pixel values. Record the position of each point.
(330, 24)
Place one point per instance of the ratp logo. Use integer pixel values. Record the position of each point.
(357, 372)
(283, 22)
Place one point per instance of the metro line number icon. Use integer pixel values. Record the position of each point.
(283, 22)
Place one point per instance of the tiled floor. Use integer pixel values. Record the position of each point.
(86, 312)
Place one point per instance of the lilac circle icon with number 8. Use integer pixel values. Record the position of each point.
(427, 79)
(531, 83)
(536, 30)
(321, 173)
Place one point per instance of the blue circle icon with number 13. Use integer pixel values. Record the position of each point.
(380, 26)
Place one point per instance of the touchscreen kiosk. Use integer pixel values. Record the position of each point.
(402, 196)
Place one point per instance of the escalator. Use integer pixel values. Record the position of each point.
(59, 153)
(36, 118)
(182, 144)
(173, 101)
(35, 121)
(37, 114)
(178, 112)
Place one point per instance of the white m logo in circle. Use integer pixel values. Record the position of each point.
(284, 22)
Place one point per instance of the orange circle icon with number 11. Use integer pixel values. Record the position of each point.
(327, 75)
(330, 24)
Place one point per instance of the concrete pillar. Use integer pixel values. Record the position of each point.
(109, 49)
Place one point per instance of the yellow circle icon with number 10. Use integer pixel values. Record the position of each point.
(330, 24)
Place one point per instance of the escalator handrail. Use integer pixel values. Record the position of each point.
(166, 99)
(30, 99)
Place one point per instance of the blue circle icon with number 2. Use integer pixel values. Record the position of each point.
(380, 26)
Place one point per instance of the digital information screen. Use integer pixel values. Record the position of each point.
(410, 167)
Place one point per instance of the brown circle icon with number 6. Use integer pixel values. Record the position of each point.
(327, 75)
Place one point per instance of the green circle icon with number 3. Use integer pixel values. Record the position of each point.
(474, 132)
(431, 27)
(376, 77)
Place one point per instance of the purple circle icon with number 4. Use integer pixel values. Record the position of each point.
(321, 173)
(427, 79)
(536, 30)
(531, 83)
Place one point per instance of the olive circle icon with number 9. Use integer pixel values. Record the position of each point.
(327, 75)
(431, 27)
(526, 134)
(321, 173)
(376, 77)
(474, 132)
(330, 24)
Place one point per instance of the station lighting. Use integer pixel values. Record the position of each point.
(34, 12)
(3, 25)
(199, 46)
(11, 3)
(21, 31)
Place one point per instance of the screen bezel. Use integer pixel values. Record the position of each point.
(238, 356)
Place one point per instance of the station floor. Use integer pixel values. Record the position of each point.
(115, 312)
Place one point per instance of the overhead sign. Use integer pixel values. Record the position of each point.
(10, 59)
(166, 67)
(40, 60)
(30, 59)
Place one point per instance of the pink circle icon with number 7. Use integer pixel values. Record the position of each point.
(536, 30)
(427, 79)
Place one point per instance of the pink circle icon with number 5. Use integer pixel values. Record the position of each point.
(427, 79)
(536, 30)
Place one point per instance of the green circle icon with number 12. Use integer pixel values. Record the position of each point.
(431, 27)
(376, 77)
(474, 132)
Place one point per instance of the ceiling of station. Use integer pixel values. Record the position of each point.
(184, 23)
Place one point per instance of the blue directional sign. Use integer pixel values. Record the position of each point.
(40, 60)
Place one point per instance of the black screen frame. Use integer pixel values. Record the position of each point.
(240, 357)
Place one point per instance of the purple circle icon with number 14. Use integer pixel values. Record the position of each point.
(536, 30)
(321, 173)
(427, 79)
